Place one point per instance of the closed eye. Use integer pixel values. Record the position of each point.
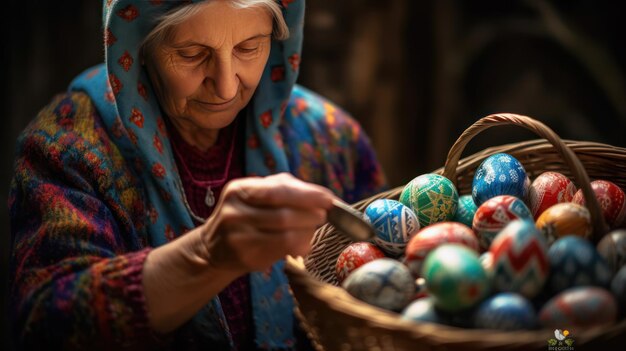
(192, 55)
(247, 50)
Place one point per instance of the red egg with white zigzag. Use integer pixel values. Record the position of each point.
(520, 259)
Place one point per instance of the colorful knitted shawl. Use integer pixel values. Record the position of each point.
(141, 204)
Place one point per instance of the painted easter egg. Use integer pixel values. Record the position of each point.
(618, 288)
(505, 311)
(611, 200)
(431, 237)
(393, 223)
(456, 283)
(612, 248)
(499, 174)
(548, 189)
(520, 262)
(486, 260)
(354, 256)
(580, 307)
(465, 210)
(574, 261)
(432, 197)
(385, 283)
(493, 215)
(423, 310)
(565, 219)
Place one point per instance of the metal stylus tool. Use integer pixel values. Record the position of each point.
(350, 221)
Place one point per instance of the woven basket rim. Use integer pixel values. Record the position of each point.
(337, 297)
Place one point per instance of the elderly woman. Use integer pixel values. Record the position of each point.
(153, 203)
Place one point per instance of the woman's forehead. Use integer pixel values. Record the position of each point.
(218, 22)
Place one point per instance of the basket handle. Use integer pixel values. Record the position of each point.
(580, 175)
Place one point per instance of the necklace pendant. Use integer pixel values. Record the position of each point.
(209, 199)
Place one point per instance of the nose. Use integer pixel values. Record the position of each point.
(223, 76)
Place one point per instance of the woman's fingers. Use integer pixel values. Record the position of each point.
(281, 190)
(261, 220)
(275, 219)
(257, 250)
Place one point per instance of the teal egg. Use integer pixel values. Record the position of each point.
(455, 277)
(432, 197)
(466, 210)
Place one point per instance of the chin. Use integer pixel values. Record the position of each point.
(214, 120)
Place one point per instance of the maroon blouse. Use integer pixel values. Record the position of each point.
(210, 166)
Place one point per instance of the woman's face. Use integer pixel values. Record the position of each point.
(210, 69)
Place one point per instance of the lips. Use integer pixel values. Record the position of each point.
(215, 106)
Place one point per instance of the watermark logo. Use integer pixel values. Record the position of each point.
(562, 341)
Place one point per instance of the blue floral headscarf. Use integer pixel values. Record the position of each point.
(124, 97)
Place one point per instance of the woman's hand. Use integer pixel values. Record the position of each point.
(260, 220)
(256, 222)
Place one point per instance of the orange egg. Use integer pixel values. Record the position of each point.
(565, 219)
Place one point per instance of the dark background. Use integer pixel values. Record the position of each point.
(414, 73)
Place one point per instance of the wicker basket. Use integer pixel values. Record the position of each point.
(334, 320)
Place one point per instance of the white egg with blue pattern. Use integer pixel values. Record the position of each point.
(385, 283)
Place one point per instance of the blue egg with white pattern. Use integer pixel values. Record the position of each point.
(394, 224)
(574, 261)
(505, 311)
(465, 210)
(385, 283)
(499, 174)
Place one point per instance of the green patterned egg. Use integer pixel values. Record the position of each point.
(432, 197)
(466, 210)
(455, 277)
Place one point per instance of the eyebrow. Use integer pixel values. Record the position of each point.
(188, 43)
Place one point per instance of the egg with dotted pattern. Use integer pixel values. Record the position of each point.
(499, 174)
(354, 256)
(549, 188)
(611, 200)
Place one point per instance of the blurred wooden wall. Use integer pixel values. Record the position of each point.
(414, 73)
(417, 73)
